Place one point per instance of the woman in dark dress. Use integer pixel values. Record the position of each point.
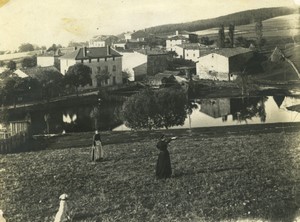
(163, 166)
(97, 149)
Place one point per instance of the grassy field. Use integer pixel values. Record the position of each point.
(218, 175)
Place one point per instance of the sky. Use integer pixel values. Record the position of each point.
(44, 22)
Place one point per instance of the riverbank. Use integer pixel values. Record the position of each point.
(219, 174)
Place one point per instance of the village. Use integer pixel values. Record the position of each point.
(213, 66)
(224, 92)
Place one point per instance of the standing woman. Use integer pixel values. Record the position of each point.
(97, 149)
(163, 166)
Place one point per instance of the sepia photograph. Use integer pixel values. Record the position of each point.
(150, 110)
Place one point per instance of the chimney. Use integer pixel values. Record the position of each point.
(108, 50)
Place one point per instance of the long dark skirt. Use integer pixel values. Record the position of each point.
(163, 166)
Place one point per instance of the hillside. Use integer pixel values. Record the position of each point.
(239, 18)
(229, 177)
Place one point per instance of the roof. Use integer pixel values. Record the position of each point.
(230, 52)
(151, 52)
(293, 53)
(70, 55)
(178, 37)
(46, 54)
(192, 46)
(143, 65)
(32, 72)
(186, 33)
(20, 73)
(92, 52)
(65, 50)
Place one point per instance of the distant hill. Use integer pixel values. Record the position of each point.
(239, 18)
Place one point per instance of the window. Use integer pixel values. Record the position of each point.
(114, 68)
(81, 60)
(98, 59)
(114, 58)
(212, 55)
(105, 59)
(90, 60)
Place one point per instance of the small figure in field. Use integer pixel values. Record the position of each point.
(163, 166)
(62, 213)
(97, 149)
(2, 219)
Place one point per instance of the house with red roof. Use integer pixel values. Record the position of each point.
(99, 59)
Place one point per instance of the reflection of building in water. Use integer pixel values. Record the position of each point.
(278, 100)
(216, 107)
(243, 109)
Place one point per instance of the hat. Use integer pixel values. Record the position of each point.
(63, 196)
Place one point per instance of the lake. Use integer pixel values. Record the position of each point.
(206, 113)
(238, 111)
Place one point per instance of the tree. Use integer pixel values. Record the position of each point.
(206, 41)
(54, 47)
(103, 76)
(221, 37)
(170, 108)
(2, 63)
(26, 47)
(126, 75)
(11, 65)
(12, 87)
(138, 110)
(94, 114)
(259, 33)
(231, 34)
(50, 80)
(243, 42)
(29, 62)
(47, 118)
(78, 75)
(4, 116)
(155, 109)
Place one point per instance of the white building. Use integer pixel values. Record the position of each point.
(45, 60)
(99, 59)
(174, 41)
(102, 41)
(190, 51)
(132, 59)
(222, 64)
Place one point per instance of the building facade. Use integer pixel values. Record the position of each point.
(100, 60)
(172, 42)
(222, 64)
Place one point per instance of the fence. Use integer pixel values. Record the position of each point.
(14, 143)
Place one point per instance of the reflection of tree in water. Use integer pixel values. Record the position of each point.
(244, 109)
(190, 107)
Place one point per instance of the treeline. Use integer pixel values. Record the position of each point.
(239, 18)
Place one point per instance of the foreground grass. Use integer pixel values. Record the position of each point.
(224, 178)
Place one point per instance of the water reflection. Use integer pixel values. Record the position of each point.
(237, 111)
(200, 113)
